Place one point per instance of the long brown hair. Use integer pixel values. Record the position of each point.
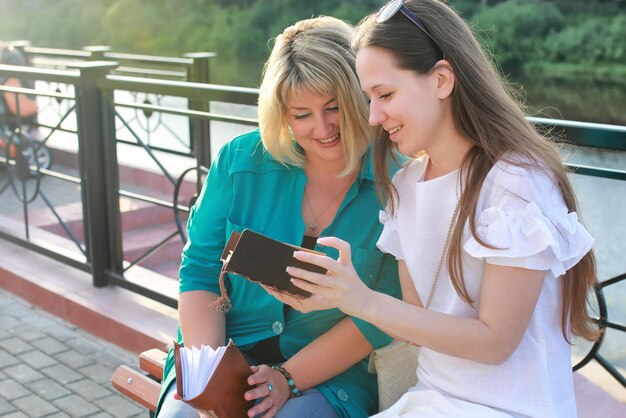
(483, 110)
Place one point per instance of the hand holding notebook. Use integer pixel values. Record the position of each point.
(213, 380)
(262, 259)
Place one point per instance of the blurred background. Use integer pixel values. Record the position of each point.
(569, 55)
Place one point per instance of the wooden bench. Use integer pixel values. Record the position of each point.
(144, 387)
(141, 387)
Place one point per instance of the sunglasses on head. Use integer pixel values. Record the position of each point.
(390, 9)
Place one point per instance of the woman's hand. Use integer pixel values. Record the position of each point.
(340, 287)
(299, 303)
(271, 386)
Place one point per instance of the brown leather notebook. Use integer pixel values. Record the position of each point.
(264, 260)
(223, 395)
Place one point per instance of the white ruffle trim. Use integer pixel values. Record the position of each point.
(389, 241)
(526, 238)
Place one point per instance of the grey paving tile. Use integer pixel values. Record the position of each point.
(37, 359)
(101, 415)
(98, 372)
(10, 390)
(75, 406)
(7, 359)
(41, 322)
(15, 346)
(48, 389)
(5, 304)
(119, 406)
(9, 300)
(28, 333)
(5, 407)
(89, 389)
(6, 298)
(50, 345)
(4, 334)
(114, 357)
(62, 332)
(23, 373)
(9, 322)
(61, 374)
(34, 406)
(16, 414)
(74, 359)
(21, 311)
(85, 345)
(17, 299)
(50, 368)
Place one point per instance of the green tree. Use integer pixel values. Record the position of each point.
(596, 40)
(516, 29)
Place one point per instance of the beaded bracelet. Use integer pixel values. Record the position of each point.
(295, 392)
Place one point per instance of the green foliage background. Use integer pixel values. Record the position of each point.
(561, 41)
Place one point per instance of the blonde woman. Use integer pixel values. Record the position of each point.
(305, 173)
(494, 265)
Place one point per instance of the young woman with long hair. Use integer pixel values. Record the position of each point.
(494, 265)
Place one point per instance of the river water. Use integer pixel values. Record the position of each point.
(582, 100)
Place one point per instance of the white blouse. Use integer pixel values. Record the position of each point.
(521, 212)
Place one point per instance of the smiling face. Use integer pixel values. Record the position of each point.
(409, 106)
(315, 123)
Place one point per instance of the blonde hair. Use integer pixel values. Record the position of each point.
(315, 54)
(484, 111)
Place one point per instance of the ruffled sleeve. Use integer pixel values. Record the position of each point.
(389, 241)
(526, 221)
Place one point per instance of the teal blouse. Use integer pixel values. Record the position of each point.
(247, 188)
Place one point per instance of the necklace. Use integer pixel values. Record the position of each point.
(443, 254)
(313, 226)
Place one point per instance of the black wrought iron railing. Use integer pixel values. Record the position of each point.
(107, 114)
(88, 94)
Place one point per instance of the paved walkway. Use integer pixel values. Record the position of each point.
(50, 368)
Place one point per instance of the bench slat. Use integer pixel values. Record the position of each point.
(136, 386)
(152, 362)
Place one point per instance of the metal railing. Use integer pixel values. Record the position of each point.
(190, 67)
(100, 116)
(97, 113)
(607, 137)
